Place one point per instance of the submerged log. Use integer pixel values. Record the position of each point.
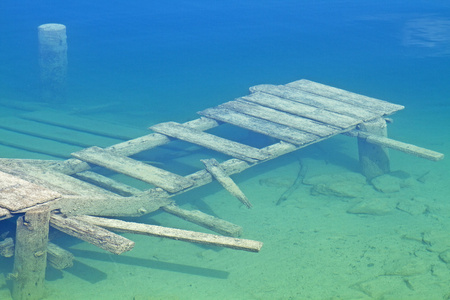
(176, 234)
(92, 234)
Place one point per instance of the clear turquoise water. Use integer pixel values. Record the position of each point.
(159, 61)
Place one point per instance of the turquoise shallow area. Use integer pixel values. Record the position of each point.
(139, 63)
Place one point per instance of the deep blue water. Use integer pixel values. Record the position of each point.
(165, 60)
(195, 54)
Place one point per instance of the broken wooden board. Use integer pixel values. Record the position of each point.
(176, 234)
(372, 104)
(282, 132)
(213, 167)
(300, 109)
(280, 117)
(204, 220)
(210, 141)
(84, 124)
(133, 168)
(16, 193)
(315, 100)
(92, 234)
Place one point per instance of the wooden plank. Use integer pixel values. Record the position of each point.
(35, 144)
(400, 146)
(84, 124)
(54, 180)
(107, 183)
(134, 146)
(55, 133)
(268, 128)
(210, 141)
(176, 234)
(16, 193)
(155, 139)
(213, 167)
(205, 220)
(92, 234)
(133, 168)
(303, 110)
(315, 100)
(369, 103)
(282, 118)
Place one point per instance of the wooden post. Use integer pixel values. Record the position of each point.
(373, 159)
(53, 61)
(30, 258)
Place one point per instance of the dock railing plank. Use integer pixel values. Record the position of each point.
(161, 178)
(210, 141)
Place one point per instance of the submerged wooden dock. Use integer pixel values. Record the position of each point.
(80, 201)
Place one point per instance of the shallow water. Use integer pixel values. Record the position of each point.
(142, 63)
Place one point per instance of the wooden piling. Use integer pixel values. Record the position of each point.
(373, 158)
(53, 61)
(30, 258)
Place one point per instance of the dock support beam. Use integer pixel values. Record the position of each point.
(373, 158)
(30, 258)
(53, 61)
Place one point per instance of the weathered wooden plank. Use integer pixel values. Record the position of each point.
(107, 183)
(315, 100)
(92, 234)
(282, 118)
(265, 127)
(369, 103)
(54, 180)
(303, 110)
(133, 168)
(400, 146)
(155, 139)
(205, 220)
(36, 144)
(176, 234)
(55, 133)
(16, 193)
(210, 141)
(84, 124)
(213, 167)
